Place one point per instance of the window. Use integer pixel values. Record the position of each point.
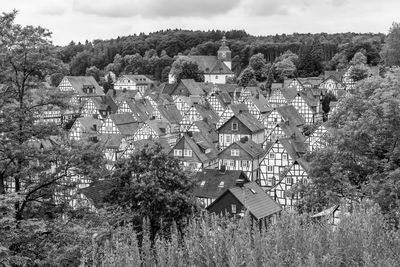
(234, 126)
(187, 152)
(245, 164)
(232, 163)
(284, 156)
(228, 139)
(221, 184)
(271, 155)
(235, 138)
(216, 77)
(289, 180)
(269, 168)
(235, 152)
(177, 152)
(233, 208)
(275, 119)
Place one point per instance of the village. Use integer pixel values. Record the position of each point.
(245, 148)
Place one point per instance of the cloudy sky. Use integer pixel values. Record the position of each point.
(81, 20)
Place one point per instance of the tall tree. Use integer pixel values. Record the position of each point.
(150, 184)
(391, 49)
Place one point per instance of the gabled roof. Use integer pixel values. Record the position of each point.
(167, 88)
(251, 148)
(195, 148)
(126, 123)
(326, 212)
(289, 93)
(248, 120)
(78, 82)
(206, 130)
(309, 98)
(314, 81)
(255, 200)
(261, 103)
(304, 164)
(290, 113)
(293, 148)
(139, 144)
(237, 108)
(141, 108)
(170, 112)
(207, 114)
(291, 131)
(205, 144)
(220, 68)
(229, 88)
(102, 103)
(192, 86)
(208, 182)
(159, 127)
(88, 122)
(276, 86)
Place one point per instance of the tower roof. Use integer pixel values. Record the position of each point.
(223, 46)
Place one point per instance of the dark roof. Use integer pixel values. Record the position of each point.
(212, 179)
(261, 103)
(276, 86)
(255, 200)
(158, 126)
(290, 113)
(88, 122)
(207, 130)
(192, 86)
(170, 112)
(104, 103)
(248, 120)
(294, 149)
(220, 68)
(205, 63)
(291, 131)
(289, 93)
(253, 149)
(207, 114)
(314, 81)
(139, 144)
(138, 78)
(167, 88)
(126, 123)
(237, 108)
(78, 82)
(97, 191)
(229, 88)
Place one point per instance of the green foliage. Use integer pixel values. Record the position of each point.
(284, 69)
(185, 68)
(362, 156)
(310, 59)
(359, 72)
(247, 77)
(94, 72)
(360, 239)
(56, 78)
(359, 59)
(391, 49)
(150, 184)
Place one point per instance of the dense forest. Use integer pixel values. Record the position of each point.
(154, 53)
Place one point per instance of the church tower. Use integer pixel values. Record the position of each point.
(224, 54)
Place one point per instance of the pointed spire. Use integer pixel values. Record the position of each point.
(223, 40)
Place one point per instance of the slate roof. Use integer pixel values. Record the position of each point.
(170, 112)
(192, 86)
(249, 121)
(293, 148)
(290, 113)
(138, 78)
(220, 68)
(140, 144)
(253, 149)
(209, 64)
(212, 178)
(207, 114)
(78, 82)
(229, 88)
(195, 148)
(126, 123)
(206, 130)
(167, 88)
(237, 108)
(261, 103)
(255, 200)
(158, 126)
(289, 93)
(141, 108)
(276, 86)
(314, 81)
(206, 145)
(102, 103)
(309, 99)
(291, 131)
(88, 122)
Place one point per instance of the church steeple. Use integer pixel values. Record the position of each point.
(224, 54)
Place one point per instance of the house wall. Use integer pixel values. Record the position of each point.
(224, 205)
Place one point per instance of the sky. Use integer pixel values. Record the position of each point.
(81, 20)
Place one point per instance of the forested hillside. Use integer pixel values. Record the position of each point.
(153, 53)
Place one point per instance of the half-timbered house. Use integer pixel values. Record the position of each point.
(99, 107)
(212, 183)
(316, 139)
(85, 127)
(196, 113)
(242, 124)
(194, 156)
(244, 155)
(141, 83)
(332, 85)
(247, 197)
(230, 111)
(152, 129)
(122, 124)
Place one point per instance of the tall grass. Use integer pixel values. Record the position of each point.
(361, 239)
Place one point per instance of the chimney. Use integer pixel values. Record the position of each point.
(222, 169)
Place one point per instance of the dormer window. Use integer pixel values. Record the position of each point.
(235, 152)
(221, 184)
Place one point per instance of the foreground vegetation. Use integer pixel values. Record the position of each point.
(360, 239)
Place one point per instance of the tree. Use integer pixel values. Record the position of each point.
(359, 58)
(94, 72)
(247, 77)
(362, 158)
(56, 78)
(186, 68)
(391, 49)
(310, 59)
(150, 184)
(258, 64)
(284, 69)
(80, 62)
